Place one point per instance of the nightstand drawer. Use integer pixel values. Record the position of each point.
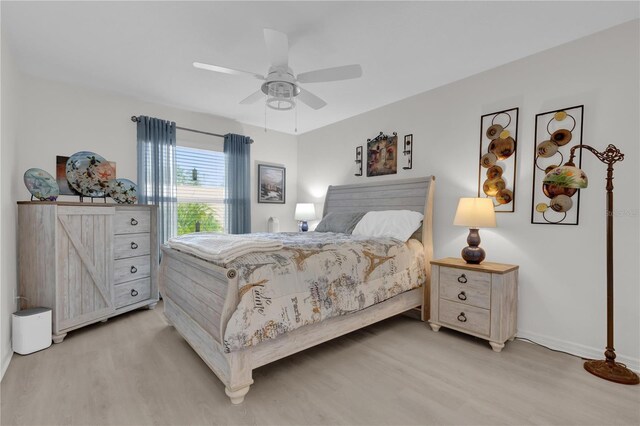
(469, 318)
(476, 291)
(465, 277)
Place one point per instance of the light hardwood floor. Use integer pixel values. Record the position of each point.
(136, 370)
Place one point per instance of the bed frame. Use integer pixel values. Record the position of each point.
(200, 297)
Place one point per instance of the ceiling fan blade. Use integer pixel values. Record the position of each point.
(310, 99)
(226, 70)
(277, 47)
(253, 98)
(345, 72)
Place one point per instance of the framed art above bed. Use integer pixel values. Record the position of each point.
(272, 184)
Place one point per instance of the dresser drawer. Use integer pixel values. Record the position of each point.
(466, 317)
(476, 291)
(131, 245)
(130, 269)
(132, 292)
(130, 221)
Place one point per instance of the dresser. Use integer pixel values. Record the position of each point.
(480, 300)
(86, 261)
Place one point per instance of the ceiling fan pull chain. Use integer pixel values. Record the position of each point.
(265, 116)
(296, 129)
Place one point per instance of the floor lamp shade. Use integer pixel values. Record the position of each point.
(474, 213)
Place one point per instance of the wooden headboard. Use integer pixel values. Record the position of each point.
(404, 194)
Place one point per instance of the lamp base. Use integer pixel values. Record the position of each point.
(304, 226)
(473, 254)
(612, 371)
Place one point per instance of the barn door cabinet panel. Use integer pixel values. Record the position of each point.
(68, 260)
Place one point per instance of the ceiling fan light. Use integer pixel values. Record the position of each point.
(281, 104)
(280, 95)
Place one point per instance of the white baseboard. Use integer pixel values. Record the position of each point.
(5, 363)
(578, 349)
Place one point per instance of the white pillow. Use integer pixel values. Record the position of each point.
(399, 224)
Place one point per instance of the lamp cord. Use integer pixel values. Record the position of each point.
(554, 350)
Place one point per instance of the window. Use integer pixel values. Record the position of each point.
(200, 177)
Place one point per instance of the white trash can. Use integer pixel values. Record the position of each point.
(31, 330)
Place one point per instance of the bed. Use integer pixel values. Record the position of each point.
(200, 297)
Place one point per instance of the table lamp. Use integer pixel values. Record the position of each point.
(474, 213)
(305, 212)
(569, 176)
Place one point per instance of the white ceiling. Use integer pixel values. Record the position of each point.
(145, 49)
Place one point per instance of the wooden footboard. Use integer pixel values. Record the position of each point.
(199, 299)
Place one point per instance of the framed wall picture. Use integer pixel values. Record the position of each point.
(555, 133)
(382, 155)
(272, 182)
(497, 170)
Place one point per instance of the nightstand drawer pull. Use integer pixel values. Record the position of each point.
(133, 222)
(462, 295)
(462, 279)
(462, 317)
(134, 293)
(134, 245)
(133, 269)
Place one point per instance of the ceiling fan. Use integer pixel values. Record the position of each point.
(281, 86)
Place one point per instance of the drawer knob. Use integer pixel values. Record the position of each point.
(134, 222)
(462, 295)
(462, 317)
(134, 245)
(462, 279)
(134, 269)
(134, 292)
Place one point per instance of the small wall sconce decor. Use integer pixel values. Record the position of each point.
(382, 155)
(359, 160)
(553, 202)
(571, 177)
(408, 150)
(497, 171)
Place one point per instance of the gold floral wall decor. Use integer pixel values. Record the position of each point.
(497, 170)
(554, 203)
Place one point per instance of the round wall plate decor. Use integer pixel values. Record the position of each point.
(89, 173)
(41, 185)
(123, 191)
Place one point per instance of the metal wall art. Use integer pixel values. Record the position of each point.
(382, 158)
(553, 203)
(497, 171)
(408, 151)
(359, 160)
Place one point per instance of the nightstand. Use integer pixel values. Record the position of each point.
(480, 300)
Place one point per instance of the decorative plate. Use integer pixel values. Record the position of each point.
(123, 191)
(41, 185)
(89, 174)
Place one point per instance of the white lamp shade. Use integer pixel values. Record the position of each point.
(305, 211)
(475, 213)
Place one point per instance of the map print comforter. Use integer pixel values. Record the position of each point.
(317, 276)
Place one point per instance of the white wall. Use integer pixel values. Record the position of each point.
(562, 268)
(9, 85)
(63, 119)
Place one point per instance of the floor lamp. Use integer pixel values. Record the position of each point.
(569, 176)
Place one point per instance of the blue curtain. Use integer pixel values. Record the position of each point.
(157, 171)
(237, 150)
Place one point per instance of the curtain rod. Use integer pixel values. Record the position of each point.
(135, 120)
